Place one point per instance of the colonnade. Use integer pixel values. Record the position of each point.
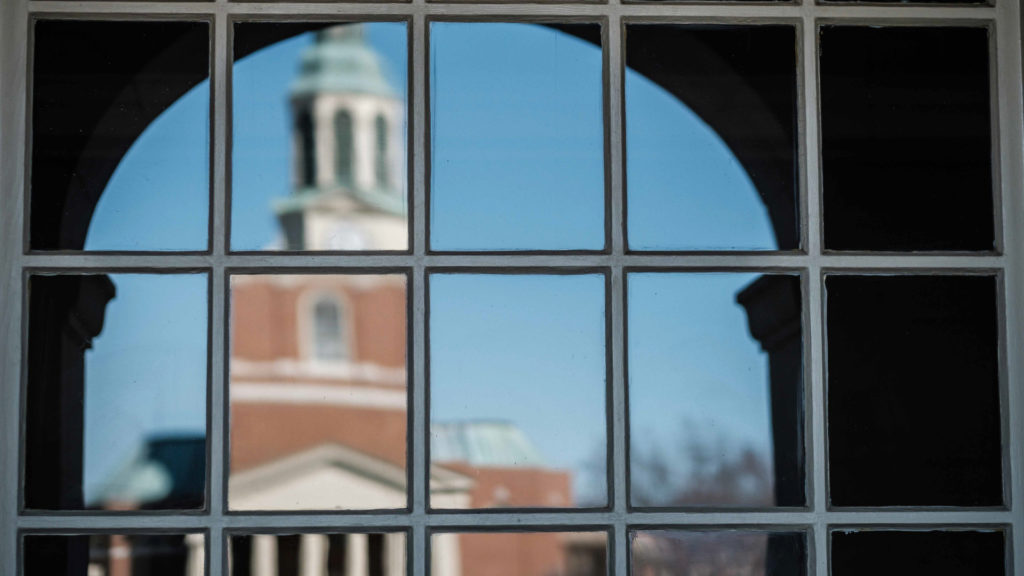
(315, 548)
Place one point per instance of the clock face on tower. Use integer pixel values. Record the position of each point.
(345, 236)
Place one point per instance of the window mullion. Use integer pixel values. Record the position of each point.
(814, 418)
(419, 540)
(619, 435)
(1007, 78)
(13, 51)
(217, 432)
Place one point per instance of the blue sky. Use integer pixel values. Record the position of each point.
(693, 366)
(146, 371)
(517, 164)
(516, 139)
(526, 349)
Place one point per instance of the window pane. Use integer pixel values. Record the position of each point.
(890, 552)
(519, 553)
(913, 391)
(711, 145)
(517, 391)
(355, 553)
(319, 120)
(115, 554)
(116, 407)
(318, 392)
(725, 552)
(715, 390)
(906, 138)
(517, 153)
(120, 129)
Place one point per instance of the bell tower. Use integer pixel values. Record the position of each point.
(349, 185)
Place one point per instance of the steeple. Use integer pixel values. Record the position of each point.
(348, 147)
(341, 61)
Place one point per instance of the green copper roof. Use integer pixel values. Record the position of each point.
(341, 61)
(483, 443)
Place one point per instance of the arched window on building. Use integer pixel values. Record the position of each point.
(343, 161)
(307, 149)
(328, 330)
(381, 161)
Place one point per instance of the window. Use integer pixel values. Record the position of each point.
(343, 141)
(328, 330)
(380, 126)
(621, 288)
(307, 148)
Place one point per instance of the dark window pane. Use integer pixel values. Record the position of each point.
(906, 138)
(116, 407)
(318, 392)
(913, 391)
(519, 553)
(720, 552)
(711, 138)
(319, 134)
(517, 391)
(715, 391)
(517, 149)
(354, 553)
(120, 123)
(134, 554)
(895, 553)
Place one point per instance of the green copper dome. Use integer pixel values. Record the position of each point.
(341, 61)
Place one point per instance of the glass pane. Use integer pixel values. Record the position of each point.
(519, 553)
(895, 553)
(715, 390)
(115, 555)
(913, 391)
(906, 138)
(517, 152)
(350, 554)
(319, 142)
(116, 407)
(721, 552)
(517, 391)
(318, 392)
(711, 138)
(120, 130)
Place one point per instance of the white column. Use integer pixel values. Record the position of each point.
(394, 554)
(313, 555)
(195, 565)
(264, 555)
(364, 112)
(323, 139)
(444, 555)
(357, 555)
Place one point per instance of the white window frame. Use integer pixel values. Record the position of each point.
(817, 519)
